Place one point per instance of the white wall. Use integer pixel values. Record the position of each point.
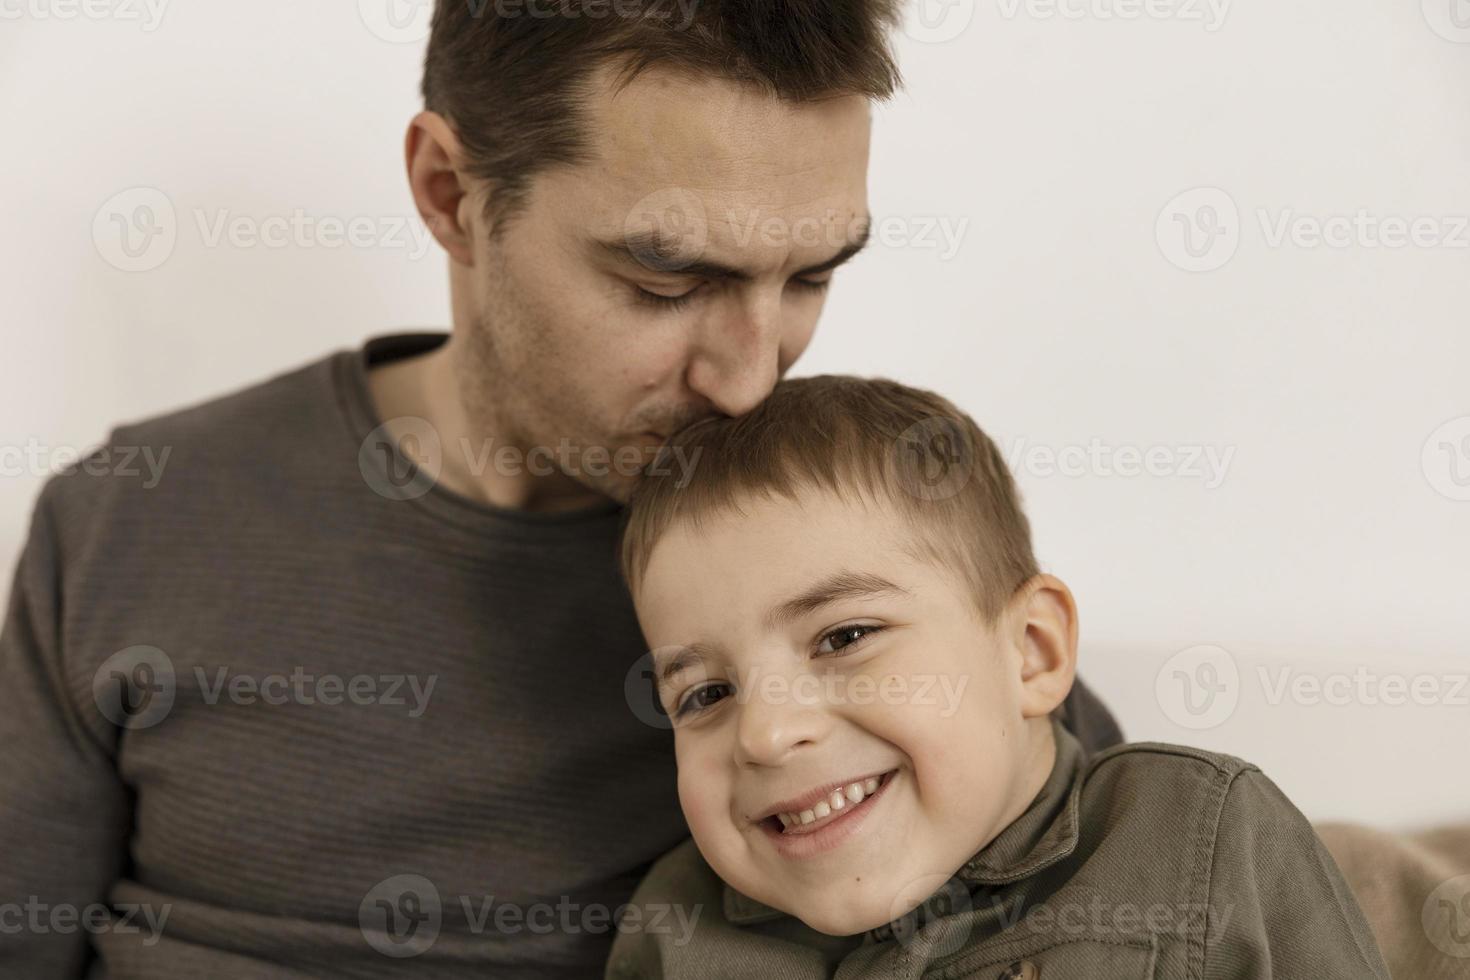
(1054, 147)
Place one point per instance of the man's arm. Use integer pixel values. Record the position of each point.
(63, 810)
(1279, 907)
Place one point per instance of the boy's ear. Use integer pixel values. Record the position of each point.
(1044, 624)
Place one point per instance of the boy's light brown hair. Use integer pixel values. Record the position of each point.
(866, 440)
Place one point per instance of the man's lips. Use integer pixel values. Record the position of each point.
(814, 796)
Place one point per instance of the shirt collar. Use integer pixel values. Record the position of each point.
(1041, 836)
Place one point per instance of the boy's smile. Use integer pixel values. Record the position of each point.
(801, 648)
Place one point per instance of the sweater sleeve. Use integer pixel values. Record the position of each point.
(1278, 906)
(63, 809)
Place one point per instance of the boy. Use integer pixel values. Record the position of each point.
(861, 662)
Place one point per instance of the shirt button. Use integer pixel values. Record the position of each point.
(1020, 970)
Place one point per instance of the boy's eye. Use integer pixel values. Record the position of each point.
(698, 700)
(848, 635)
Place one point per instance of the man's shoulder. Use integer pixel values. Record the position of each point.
(228, 439)
(268, 410)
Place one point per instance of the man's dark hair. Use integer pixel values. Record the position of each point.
(511, 75)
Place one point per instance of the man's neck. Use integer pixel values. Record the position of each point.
(425, 386)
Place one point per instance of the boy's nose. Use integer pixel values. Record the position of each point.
(771, 727)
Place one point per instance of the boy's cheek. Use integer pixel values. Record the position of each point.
(704, 794)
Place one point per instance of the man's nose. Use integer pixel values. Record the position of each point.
(736, 358)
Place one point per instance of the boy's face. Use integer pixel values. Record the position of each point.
(825, 657)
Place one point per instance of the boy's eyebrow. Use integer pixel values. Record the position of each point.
(662, 254)
(834, 588)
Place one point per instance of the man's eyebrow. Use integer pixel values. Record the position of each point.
(663, 254)
(848, 251)
(834, 588)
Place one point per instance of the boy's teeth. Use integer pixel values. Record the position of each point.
(849, 794)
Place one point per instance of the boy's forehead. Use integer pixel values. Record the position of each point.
(740, 562)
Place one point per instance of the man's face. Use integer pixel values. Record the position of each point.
(677, 275)
(820, 655)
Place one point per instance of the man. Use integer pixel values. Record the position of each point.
(316, 702)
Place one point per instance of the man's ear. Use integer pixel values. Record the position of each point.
(440, 190)
(1044, 630)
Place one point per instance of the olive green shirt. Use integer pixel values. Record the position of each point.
(1144, 861)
